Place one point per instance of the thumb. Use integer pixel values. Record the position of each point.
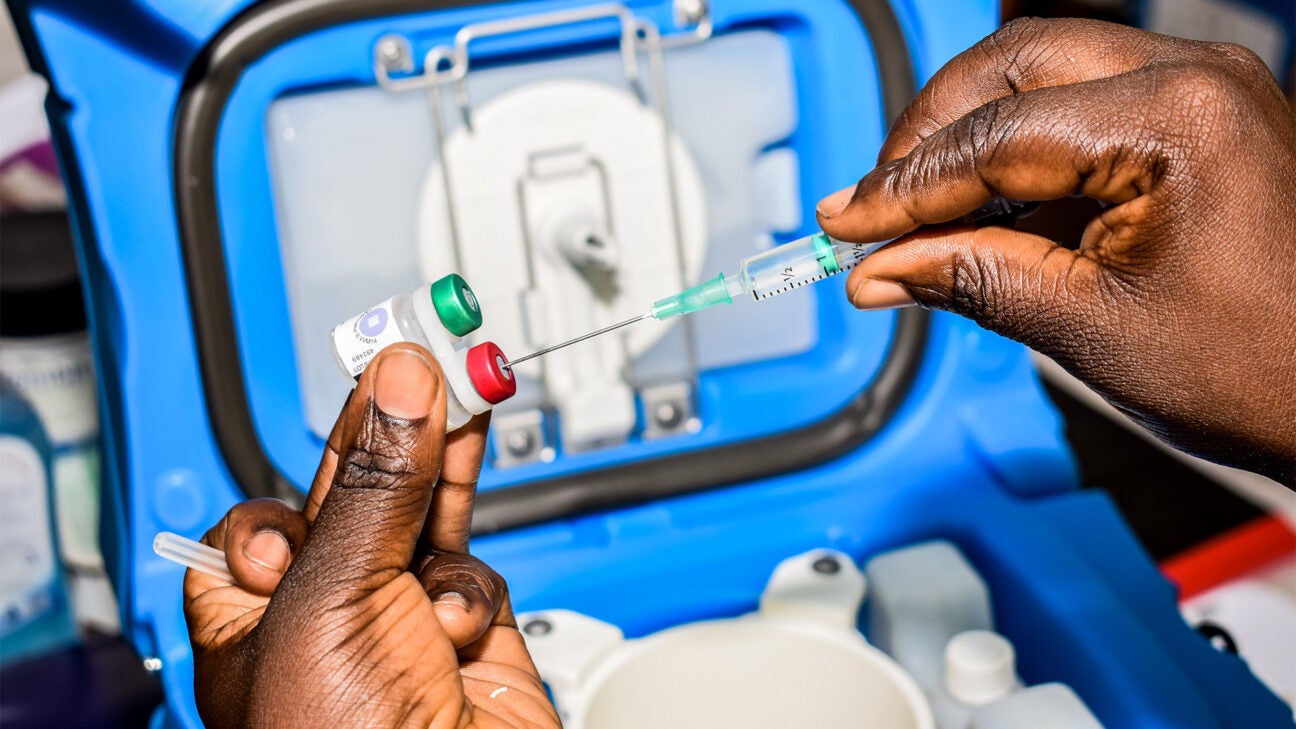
(392, 436)
(1023, 286)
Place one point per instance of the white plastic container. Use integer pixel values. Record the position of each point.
(921, 597)
(930, 610)
(1046, 706)
(796, 662)
(980, 669)
(438, 317)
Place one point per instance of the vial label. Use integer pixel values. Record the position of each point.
(357, 340)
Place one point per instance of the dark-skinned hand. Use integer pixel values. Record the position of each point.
(364, 609)
(1180, 304)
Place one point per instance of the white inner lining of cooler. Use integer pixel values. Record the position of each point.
(349, 167)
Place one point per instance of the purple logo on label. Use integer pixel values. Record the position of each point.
(374, 322)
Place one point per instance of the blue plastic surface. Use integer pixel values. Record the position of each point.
(974, 455)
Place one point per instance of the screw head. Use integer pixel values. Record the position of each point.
(1218, 637)
(393, 52)
(520, 443)
(690, 12)
(668, 414)
(538, 627)
(826, 566)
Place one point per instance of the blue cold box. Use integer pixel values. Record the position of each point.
(892, 429)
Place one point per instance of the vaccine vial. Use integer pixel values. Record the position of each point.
(438, 317)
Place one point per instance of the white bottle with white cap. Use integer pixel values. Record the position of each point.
(980, 668)
(1045, 706)
(930, 610)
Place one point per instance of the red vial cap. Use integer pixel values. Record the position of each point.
(492, 380)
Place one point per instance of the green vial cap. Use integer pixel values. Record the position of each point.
(456, 305)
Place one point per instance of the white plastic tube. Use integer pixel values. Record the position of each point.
(194, 555)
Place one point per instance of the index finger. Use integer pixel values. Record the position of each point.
(1079, 138)
(449, 521)
(1026, 54)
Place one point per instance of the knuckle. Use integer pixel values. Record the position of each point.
(915, 172)
(1205, 99)
(462, 572)
(375, 466)
(1242, 58)
(384, 454)
(1018, 32)
(992, 126)
(1197, 83)
(458, 487)
(921, 121)
(1017, 48)
(215, 537)
(975, 141)
(1019, 298)
(974, 286)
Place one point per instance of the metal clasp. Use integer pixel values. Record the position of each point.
(450, 64)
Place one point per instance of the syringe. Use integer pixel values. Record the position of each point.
(786, 268)
(777, 271)
(804, 261)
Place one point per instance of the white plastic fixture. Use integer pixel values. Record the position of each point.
(357, 164)
(796, 662)
(562, 204)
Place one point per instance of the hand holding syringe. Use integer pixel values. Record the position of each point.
(779, 270)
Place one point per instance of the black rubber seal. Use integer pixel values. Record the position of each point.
(210, 81)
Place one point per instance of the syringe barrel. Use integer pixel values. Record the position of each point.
(806, 260)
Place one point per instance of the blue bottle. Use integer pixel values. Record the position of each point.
(34, 612)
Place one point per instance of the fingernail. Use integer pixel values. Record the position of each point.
(836, 202)
(268, 549)
(872, 294)
(454, 598)
(404, 387)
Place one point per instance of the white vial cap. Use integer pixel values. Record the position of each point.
(980, 667)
